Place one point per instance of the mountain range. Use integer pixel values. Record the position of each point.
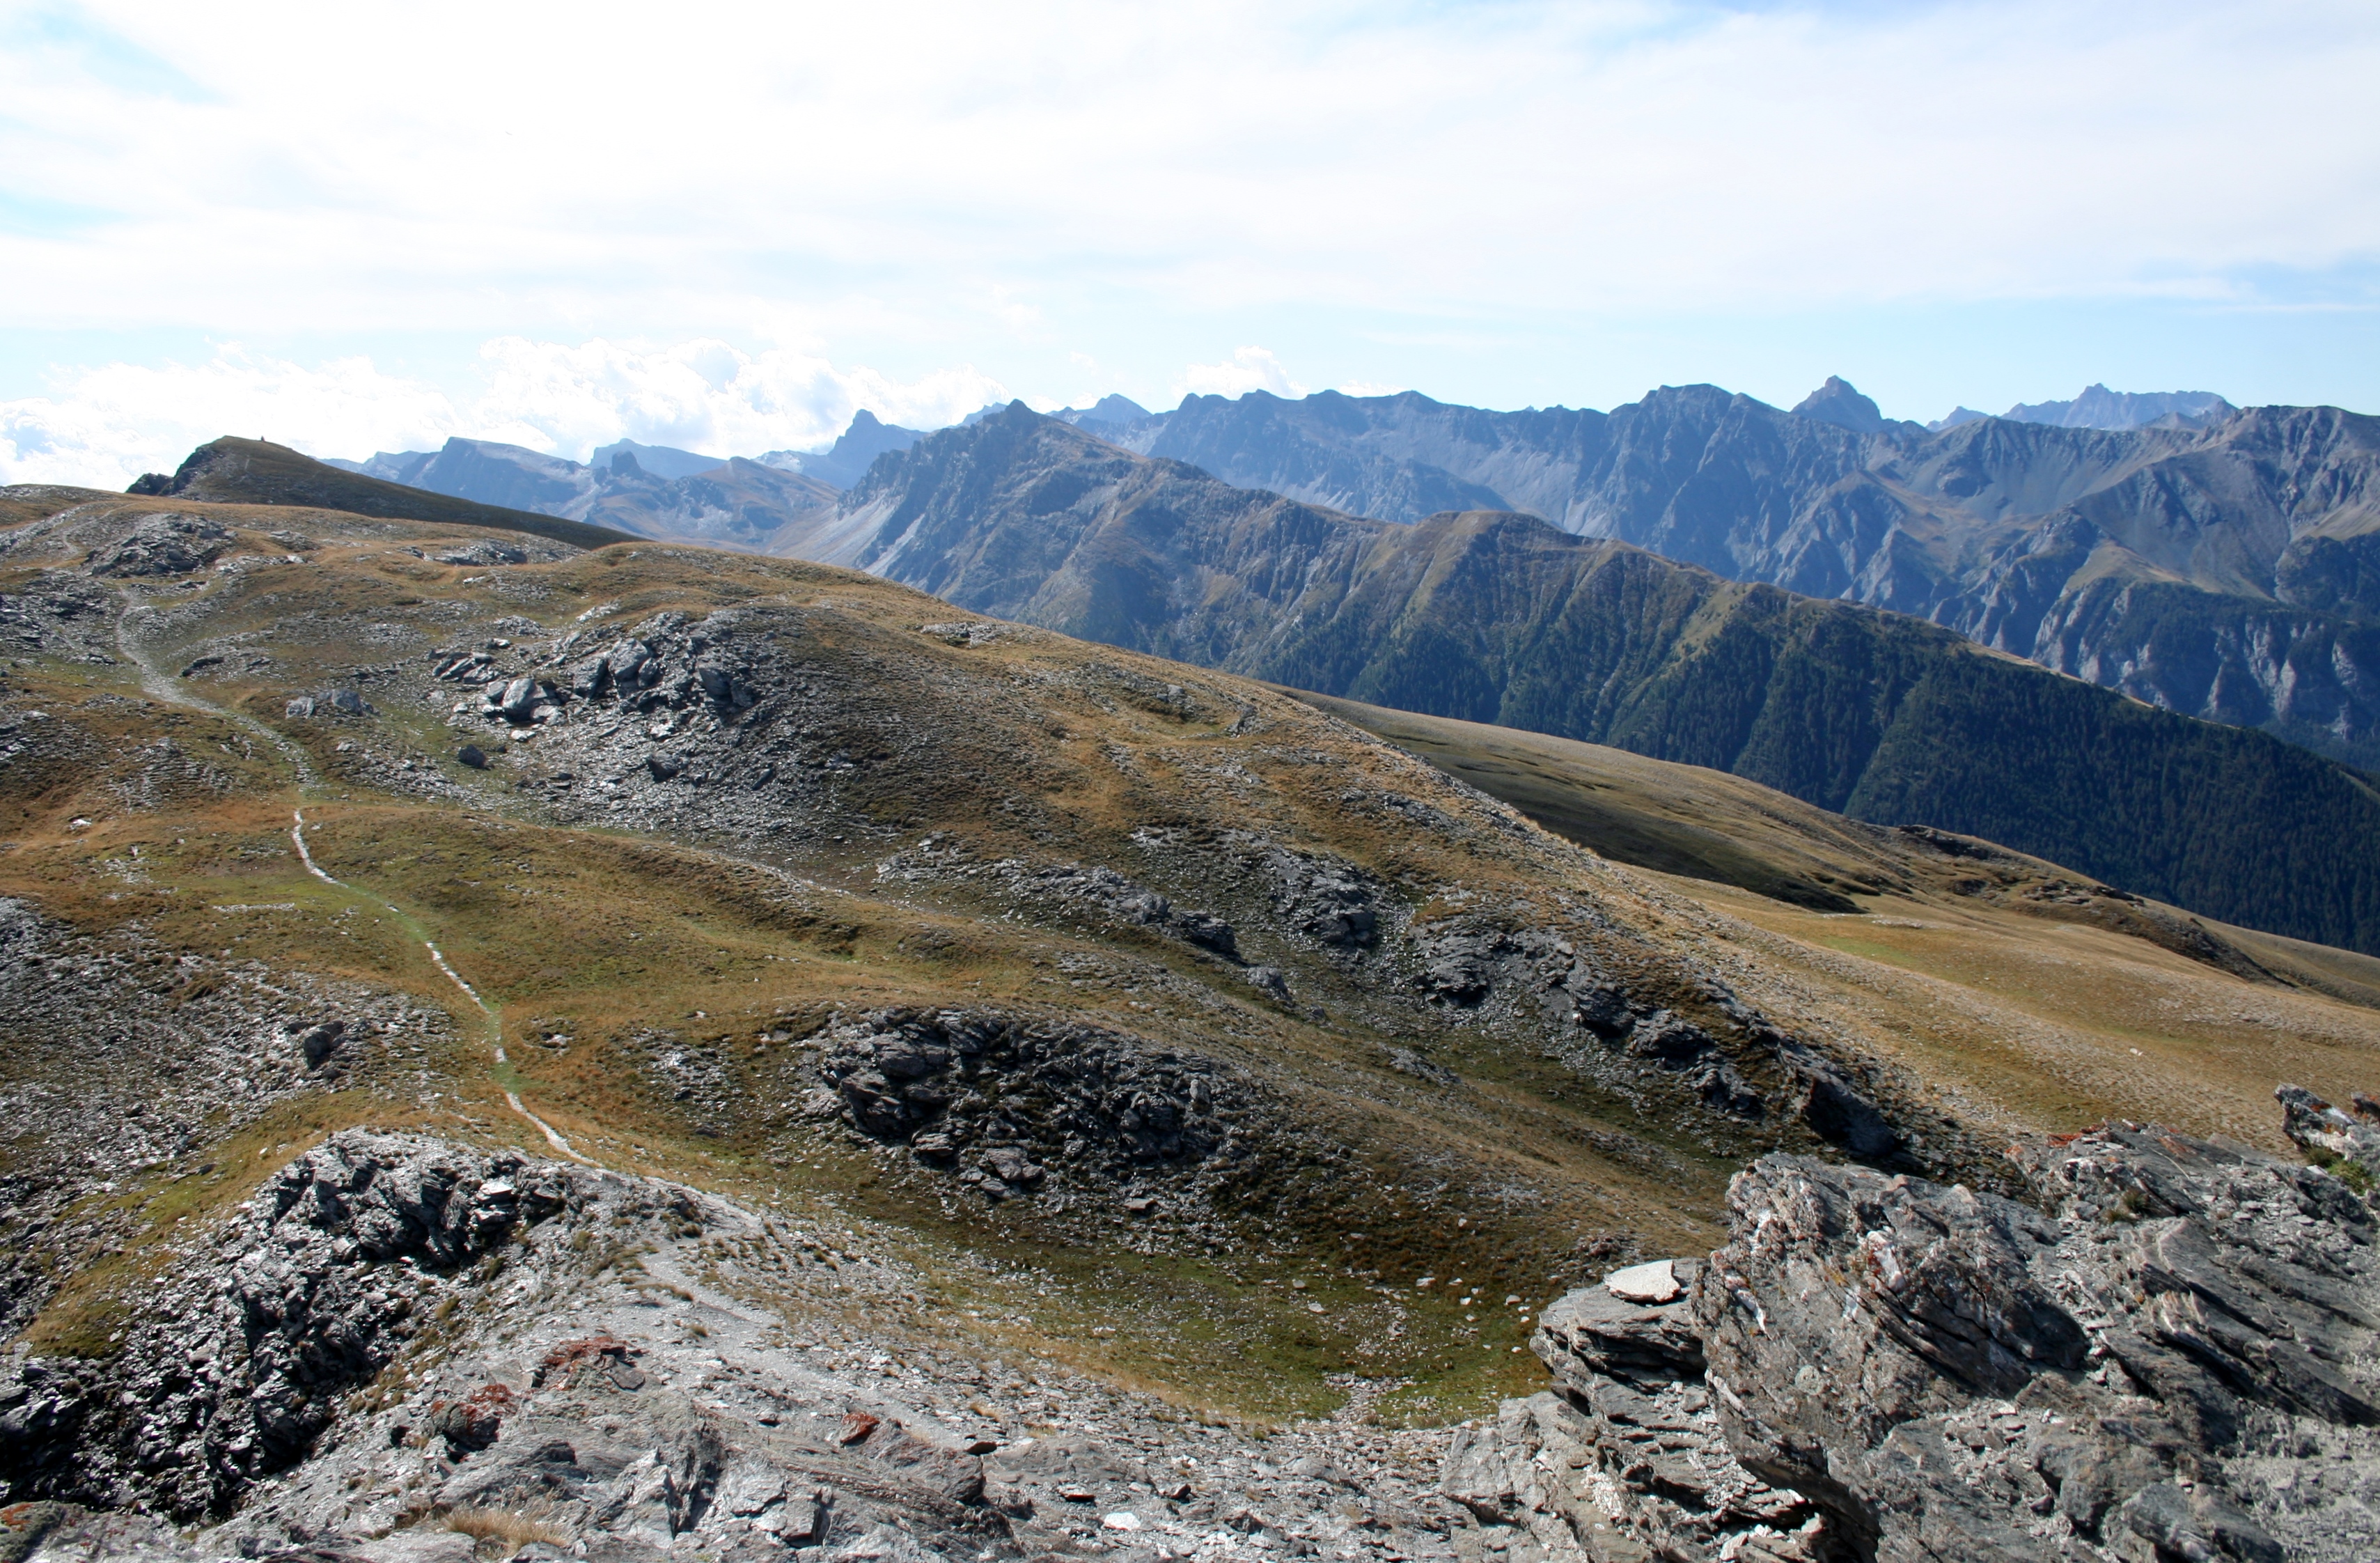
(1501, 618)
(650, 491)
(2204, 558)
(2228, 571)
(2099, 408)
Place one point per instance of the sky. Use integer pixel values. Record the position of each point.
(727, 228)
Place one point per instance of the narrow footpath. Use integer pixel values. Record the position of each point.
(163, 687)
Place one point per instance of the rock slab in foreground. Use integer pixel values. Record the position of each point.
(2173, 1353)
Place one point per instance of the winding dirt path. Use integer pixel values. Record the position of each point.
(163, 687)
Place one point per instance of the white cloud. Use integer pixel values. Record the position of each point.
(102, 427)
(308, 166)
(1250, 369)
(705, 394)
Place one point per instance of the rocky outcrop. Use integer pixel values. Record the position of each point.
(235, 1368)
(1004, 1103)
(1628, 1459)
(164, 545)
(430, 1346)
(2172, 1352)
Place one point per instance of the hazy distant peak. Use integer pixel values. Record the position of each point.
(843, 462)
(1837, 402)
(657, 460)
(1109, 412)
(1958, 415)
(2099, 408)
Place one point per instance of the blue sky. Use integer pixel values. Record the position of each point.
(353, 228)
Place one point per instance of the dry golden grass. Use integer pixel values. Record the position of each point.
(512, 1531)
(2055, 1024)
(2017, 1004)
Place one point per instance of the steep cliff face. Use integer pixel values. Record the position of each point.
(1493, 617)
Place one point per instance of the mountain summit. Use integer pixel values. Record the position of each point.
(1837, 403)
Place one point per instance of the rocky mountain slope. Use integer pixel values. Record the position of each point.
(2217, 569)
(698, 1055)
(1500, 617)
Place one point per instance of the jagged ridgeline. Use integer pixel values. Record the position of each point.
(1502, 618)
(2212, 560)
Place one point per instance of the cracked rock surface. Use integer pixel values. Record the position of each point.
(403, 1337)
(2169, 1353)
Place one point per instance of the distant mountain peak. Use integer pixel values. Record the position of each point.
(1111, 412)
(1957, 416)
(2099, 408)
(842, 463)
(1840, 403)
(657, 461)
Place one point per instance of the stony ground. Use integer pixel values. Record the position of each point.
(441, 1340)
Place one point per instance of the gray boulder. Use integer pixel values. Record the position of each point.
(517, 699)
(164, 545)
(2170, 1352)
(485, 554)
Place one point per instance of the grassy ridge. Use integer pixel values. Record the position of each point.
(231, 470)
